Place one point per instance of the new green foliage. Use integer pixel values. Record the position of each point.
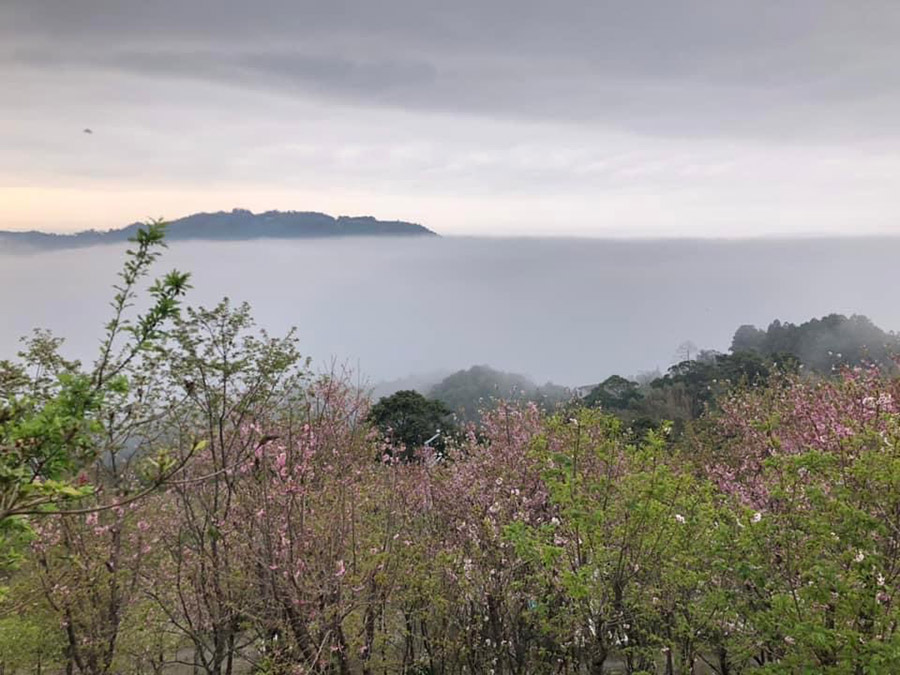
(52, 410)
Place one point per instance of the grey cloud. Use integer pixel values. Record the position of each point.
(801, 69)
(282, 70)
(569, 117)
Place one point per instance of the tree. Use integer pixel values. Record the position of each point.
(704, 380)
(615, 393)
(812, 469)
(620, 547)
(229, 381)
(822, 345)
(408, 419)
(53, 413)
(748, 338)
(686, 351)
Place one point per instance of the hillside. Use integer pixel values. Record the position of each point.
(235, 225)
(468, 392)
(822, 344)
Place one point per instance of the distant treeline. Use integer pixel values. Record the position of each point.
(690, 387)
(686, 390)
(822, 344)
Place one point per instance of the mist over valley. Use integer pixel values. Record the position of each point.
(570, 311)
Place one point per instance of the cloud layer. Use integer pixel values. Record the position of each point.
(572, 311)
(639, 118)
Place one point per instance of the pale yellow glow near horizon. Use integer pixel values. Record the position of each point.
(103, 206)
(71, 209)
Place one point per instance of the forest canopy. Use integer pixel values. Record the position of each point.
(822, 344)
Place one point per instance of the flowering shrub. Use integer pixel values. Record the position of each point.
(813, 470)
(291, 537)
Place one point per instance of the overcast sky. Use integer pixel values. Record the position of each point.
(489, 117)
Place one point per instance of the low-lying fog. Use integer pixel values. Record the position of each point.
(571, 311)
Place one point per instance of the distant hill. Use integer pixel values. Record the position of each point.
(235, 225)
(468, 392)
(692, 387)
(823, 344)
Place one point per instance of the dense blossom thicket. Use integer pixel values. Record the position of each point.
(286, 535)
(294, 543)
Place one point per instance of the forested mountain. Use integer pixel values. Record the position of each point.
(689, 387)
(694, 385)
(822, 344)
(234, 225)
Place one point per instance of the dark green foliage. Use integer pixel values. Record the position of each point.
(703, 381)
(748, 338)
(687, 390)
(615, 393)
(631, 402)
(822, 344)
(408, 419)
(692, 386)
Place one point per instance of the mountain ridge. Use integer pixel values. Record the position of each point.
(234, 225)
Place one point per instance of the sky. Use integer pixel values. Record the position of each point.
(472, 117)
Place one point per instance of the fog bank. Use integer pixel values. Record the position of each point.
(571, 311)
